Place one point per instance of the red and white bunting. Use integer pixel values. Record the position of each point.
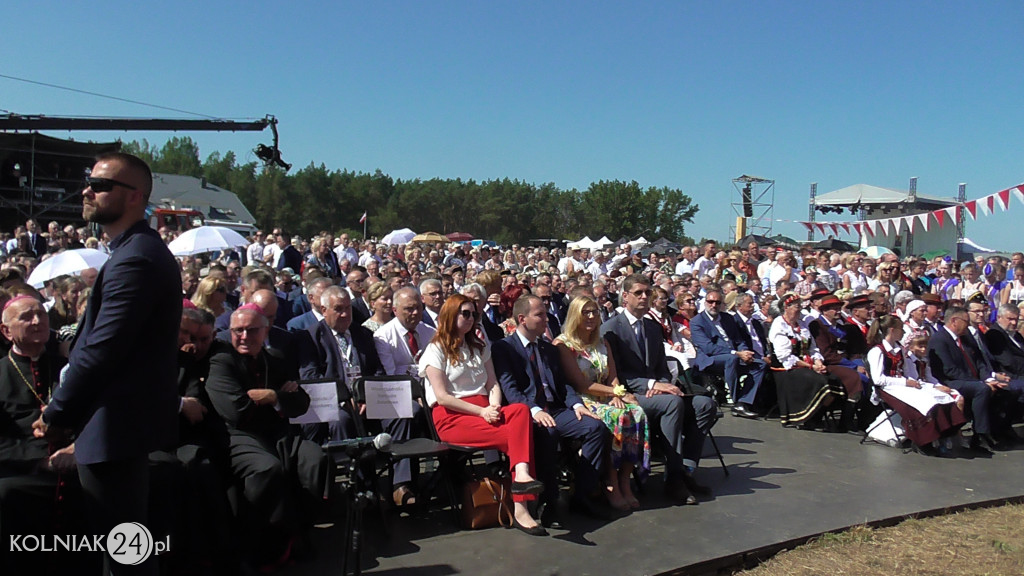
(909, 221)
(1018, 191)
(986, 205)
(1003, 198)
(939, 217)
(808, 225)
(924, 219)
(972, 209)
(835, 229)
(869, 226)
(953, 213)
(846, 226)
(859, 227)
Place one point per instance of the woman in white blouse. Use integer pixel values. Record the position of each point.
(465, 401)
(929, 410)
(802, 382)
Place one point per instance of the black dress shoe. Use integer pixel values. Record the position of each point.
(678, 492)
(691, 484)
(988, 441)
(743, 411)
(549, 517)
(531, 487)
(980, 445)
(589, 508)
(537, 530)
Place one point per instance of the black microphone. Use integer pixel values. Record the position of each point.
(381, 442)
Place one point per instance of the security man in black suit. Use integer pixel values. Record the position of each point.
(119, 393)
(1005, 344)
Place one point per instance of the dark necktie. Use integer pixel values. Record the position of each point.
(535, 366)
(921, 367)
(967, 358)
(414, 346)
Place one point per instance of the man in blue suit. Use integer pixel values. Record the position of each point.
(309, 319)
(530, 373)
(119, 394)
(957, 362)
(722, 349)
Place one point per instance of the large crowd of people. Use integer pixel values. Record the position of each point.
(522, 350)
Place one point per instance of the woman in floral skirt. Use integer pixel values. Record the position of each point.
(591, 370)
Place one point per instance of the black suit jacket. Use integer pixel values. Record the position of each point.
(630, 362)
(360, 311)
(518, 382)
(38, 246)
(948, 363)
(1008, 356)
(326, 360)
(120, 393)
(295, 347)
(290, 258)
(230, 380)
(493, 331)
(741, 329)
(192, 376)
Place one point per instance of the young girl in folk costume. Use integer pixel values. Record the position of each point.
(931, 413)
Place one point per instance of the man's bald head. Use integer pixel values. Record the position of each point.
(267, 301)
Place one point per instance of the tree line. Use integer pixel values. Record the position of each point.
(314, 198)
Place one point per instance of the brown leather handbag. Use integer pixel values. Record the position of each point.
(487, 502)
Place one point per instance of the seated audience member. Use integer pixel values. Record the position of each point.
(466, 403)
(957, 362)
(432, 293)
(32, 470)
(509, 296)
(671, 331)
(753, 331)
(66, 293)
(530, 373)
(1004, 343)
(928, 411)
(635, 344)
(281, 475)
(315, 288)
(258, 279)
(379, 296)
(591, 371)
(722, 350)
(356, 284)
(399, 344)
(802, 383)
(202, 445)
(831, 341)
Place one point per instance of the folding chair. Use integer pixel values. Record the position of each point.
(688, 386)
(421, 448)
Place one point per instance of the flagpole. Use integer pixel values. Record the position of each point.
(365, 218)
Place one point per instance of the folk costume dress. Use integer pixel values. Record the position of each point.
(802, 392)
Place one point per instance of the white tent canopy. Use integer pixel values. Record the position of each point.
(861, 194)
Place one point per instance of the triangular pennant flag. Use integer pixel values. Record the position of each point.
(1018, 191)
(1003, 197)
(985, 204)
(807, 225)
(835, 229)
(939, 216)
(954, 214)
(924, 219)
(821, 228)
(846, 227)
(972, 209)
(886, 226)
(859, 228)
(869, 226)
(909, 221)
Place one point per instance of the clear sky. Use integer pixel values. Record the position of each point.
(682, 94)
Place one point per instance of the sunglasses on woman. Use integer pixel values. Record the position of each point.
(467, 314)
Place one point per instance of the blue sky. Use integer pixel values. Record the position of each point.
(682, 94)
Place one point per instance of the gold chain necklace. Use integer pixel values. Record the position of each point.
(31, 388)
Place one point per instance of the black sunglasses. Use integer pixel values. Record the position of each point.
(105, 184)
(470, 314)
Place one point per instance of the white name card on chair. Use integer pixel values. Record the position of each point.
(323, 403)
(388, 399)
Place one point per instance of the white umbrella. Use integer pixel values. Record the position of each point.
(875, 251)
(206, 239)
(67, 262)
(402, 236)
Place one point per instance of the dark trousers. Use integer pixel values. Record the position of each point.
(114, 493)
(596, 442)
(730, 367)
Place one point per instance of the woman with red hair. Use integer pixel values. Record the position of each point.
(465, 401)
